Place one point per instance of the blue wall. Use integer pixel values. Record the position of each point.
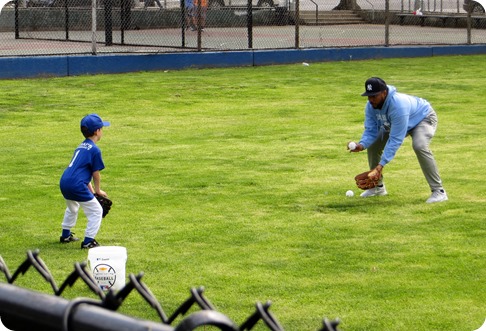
(58, 66)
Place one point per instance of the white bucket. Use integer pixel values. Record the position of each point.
(107, 265)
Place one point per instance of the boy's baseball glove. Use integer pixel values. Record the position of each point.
(105, 204)
(364, 182)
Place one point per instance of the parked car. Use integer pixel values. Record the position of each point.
(475, 6)
(241, 3)
(74, 3)
(39, 3)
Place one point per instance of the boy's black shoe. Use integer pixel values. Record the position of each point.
(93, 243)
(70, 238)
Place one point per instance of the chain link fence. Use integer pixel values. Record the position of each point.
(52, 27)
(24, 310)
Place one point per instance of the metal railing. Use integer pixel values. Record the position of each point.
(25, 310)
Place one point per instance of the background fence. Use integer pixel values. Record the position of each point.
(49, 27)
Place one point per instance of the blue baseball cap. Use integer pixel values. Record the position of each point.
(93, 122)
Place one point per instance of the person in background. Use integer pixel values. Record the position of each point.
(201, 12)
(190, 14)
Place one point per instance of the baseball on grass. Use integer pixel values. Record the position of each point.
(349, 193)
(352, 145)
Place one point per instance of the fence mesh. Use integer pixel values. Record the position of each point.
(25, 310)
(50, 27)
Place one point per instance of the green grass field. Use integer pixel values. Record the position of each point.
(235, 180)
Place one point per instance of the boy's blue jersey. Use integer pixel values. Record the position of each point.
(79, 173)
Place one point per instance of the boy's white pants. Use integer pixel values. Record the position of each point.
(93, 211)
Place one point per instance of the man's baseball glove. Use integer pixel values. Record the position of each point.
(364, 182)
(105, 204)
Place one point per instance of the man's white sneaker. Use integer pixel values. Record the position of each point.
(375, 191)
(437, 196)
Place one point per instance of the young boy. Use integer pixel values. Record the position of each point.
(76, 186)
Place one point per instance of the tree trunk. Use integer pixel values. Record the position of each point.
(347, 5)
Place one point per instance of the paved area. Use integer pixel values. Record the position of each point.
(222, 39)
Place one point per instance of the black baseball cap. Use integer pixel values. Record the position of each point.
(373, 86)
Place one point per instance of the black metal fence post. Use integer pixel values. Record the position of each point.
(125, 18)
(249, 22)
(387, 23)
(17, 34)
(297, 23)
(469, 24)
(199, 21)
(108, 22)
(66, 19)
(184, 22)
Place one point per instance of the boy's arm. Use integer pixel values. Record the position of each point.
(90, 187)
(97, 182)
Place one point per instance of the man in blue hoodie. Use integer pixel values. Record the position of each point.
(390, 116)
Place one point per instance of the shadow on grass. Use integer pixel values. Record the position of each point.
(358, 204)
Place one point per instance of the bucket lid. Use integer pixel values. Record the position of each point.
(107, 251)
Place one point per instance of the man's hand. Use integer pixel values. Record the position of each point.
(375, 174)
(358, 148)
